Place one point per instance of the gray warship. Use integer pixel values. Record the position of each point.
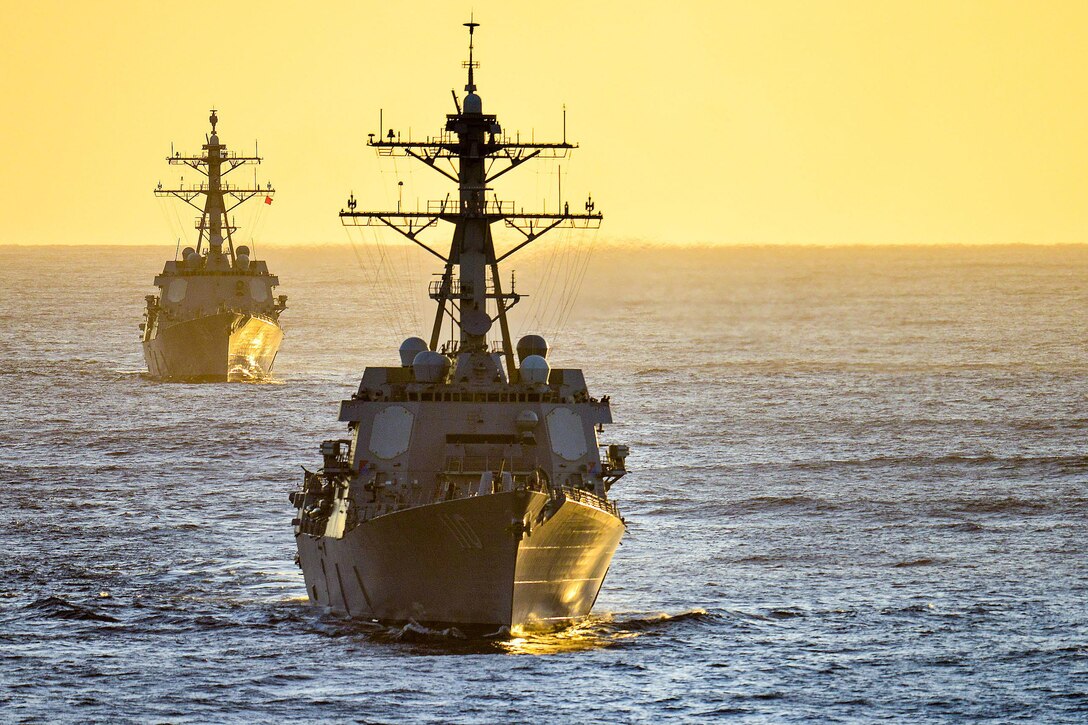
(215, 317)
(473, 490)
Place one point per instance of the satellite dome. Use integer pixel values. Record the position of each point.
(243, 262)
(532, 345)
(534, 369)
(430, 367)
(409, 349)
(186, 252)
(192, 258)
(526, 420)
(473, 104)
(214, 140)
(243, 249)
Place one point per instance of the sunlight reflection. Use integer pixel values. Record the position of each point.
(594, 633)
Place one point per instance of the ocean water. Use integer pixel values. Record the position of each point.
(859, 492)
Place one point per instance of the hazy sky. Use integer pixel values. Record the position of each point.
(724, 122)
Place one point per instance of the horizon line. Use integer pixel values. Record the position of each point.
(646, 244)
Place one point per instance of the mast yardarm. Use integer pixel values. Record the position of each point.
(215, 163)
(475, 146)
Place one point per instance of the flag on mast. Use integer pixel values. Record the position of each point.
(268, 200)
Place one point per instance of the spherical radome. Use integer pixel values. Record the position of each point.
(430, 367)
(532, 345)
(410, 348)
(534, 369)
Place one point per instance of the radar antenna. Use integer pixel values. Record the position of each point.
(471, 86)
(213, 223)
(474, 144)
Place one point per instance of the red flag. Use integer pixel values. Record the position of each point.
(268, 200)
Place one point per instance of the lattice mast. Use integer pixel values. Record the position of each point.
(473, 143)
(213, 223)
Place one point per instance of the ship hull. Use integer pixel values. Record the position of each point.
(467, 563)
(229, 346)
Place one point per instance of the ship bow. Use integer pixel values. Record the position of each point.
(482, 563)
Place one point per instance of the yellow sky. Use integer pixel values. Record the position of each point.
(721, 122)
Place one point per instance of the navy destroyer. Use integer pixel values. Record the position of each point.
(473, 490)
(215, 317)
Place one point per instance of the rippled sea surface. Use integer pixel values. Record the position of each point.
(859, 492)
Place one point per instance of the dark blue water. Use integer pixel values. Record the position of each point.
(860, 492)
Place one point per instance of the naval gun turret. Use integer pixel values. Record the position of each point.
(473, 490)
(216, 316)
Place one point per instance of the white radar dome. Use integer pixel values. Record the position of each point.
(534, 369)
(409, 349)
(473, 104)
(430, 367)
(532, 345)
(243, 261)
(192, 259)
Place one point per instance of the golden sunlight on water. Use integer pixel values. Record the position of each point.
(575, 639)
(858, 485)
(597, 631)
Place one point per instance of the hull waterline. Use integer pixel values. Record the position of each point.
(229, 346)
(504, 560)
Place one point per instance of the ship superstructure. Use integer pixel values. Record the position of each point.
(216, 317)
(473, 490)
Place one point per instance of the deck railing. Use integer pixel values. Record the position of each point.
(591, 499)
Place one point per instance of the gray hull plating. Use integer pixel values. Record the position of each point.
(226, 346)
(468, 562)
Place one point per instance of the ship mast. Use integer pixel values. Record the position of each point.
(478, 152)
(215, 163)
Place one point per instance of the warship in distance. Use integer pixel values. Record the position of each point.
(472, 491)
(215, 317)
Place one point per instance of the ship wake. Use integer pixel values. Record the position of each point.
(595, 632)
